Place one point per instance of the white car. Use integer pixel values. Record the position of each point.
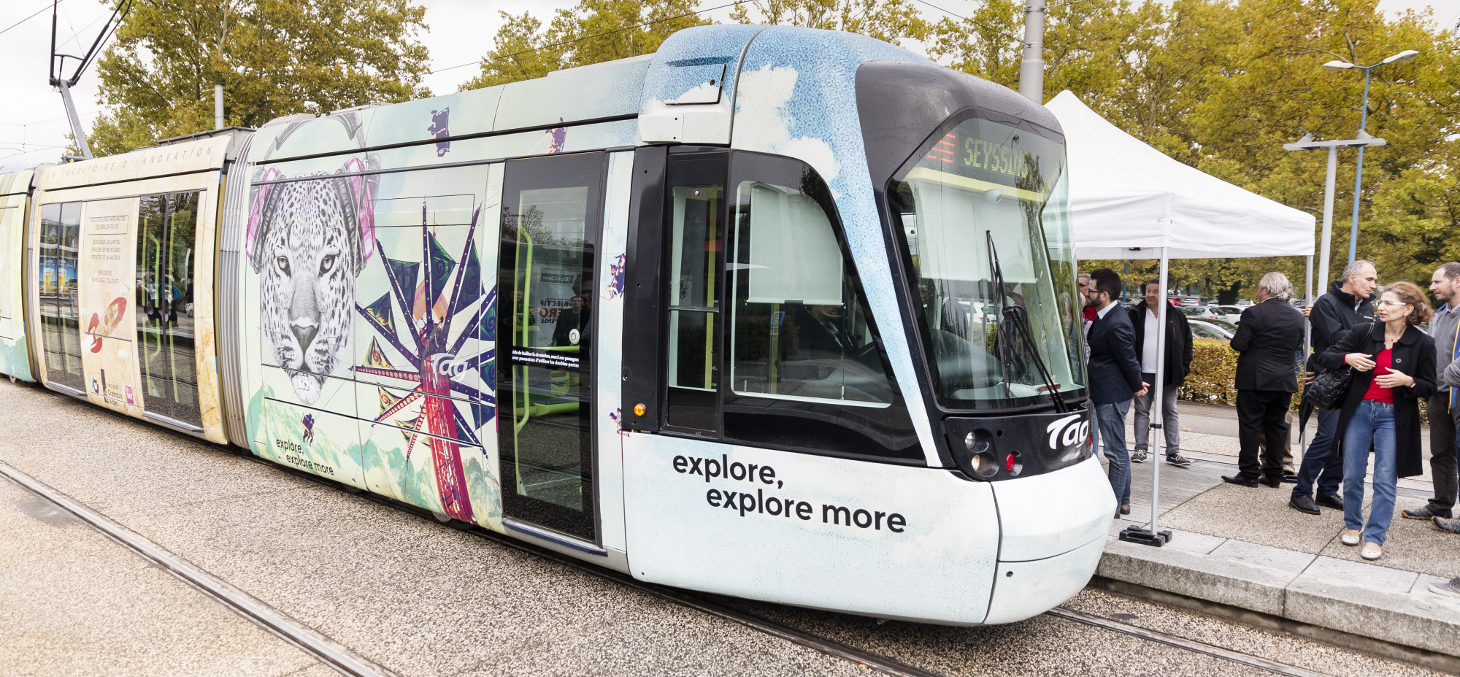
(1231, 314)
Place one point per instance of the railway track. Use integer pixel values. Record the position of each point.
(346, 661)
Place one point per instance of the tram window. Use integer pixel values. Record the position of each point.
(60, 240)
(803, 365)
(695, 233)
(166, 235)
(798, 331)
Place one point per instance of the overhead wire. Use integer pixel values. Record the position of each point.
(37, 13)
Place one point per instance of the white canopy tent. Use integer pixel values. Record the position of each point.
(1130, 201)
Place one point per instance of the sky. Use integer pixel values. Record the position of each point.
(33, 120)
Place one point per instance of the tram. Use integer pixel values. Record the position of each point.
(776, 313)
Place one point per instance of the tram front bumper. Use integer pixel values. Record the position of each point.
(1053, 528)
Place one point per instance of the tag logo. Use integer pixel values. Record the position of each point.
(1068, 431)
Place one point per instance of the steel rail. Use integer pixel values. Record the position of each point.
(348, 662)
(1182, 643)
(329, 652)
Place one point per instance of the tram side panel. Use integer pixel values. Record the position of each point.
(365, 298)
(14, 208)
(121, 301)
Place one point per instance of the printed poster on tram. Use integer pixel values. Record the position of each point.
(105, 304)
(371, 321)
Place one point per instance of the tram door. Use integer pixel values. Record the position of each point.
(551, 219)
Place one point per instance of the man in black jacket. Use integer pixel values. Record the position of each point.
(1267, 342)
(1347, 303)
(1178, 365)
(1115, 377)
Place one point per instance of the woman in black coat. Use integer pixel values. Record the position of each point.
(1394, 370)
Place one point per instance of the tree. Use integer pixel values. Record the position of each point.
(885, 20)
(271, 56)
(1222, 85)
(592, 32)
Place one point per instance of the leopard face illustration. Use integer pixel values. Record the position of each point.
(308, 239)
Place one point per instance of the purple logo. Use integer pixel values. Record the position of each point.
(438, 130)
(616, 277)
(559, 137)
(308, 428)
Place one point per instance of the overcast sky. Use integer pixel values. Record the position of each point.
(33, 120)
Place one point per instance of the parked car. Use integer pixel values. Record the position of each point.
(1231, 314)
(1243, 303)
(1212, 329)
(1191, 301)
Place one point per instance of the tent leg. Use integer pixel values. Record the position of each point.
(1307, 339)
(1152, 536)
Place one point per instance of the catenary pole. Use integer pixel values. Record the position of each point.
(1031, 69)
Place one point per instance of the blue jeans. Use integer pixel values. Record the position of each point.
(1110, 419)
(1320, 462)
(1372, 423)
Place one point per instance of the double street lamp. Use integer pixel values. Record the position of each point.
(1335, 66)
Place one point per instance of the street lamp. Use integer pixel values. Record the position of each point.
(1333, 67)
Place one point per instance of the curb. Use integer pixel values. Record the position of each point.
(1350, 599)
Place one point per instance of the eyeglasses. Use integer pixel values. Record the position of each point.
(1387, 302)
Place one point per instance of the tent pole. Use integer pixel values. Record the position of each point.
(1307, 338)
(1136, 534)
(1157, 420)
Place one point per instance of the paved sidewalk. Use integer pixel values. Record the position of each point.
(1246, 548)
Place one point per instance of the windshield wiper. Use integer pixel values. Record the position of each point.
(1019, 321)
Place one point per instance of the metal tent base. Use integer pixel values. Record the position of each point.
(1143, 536)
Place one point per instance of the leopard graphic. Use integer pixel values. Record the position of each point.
(308, 239)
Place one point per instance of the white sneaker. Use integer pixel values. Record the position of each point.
(1349, 540)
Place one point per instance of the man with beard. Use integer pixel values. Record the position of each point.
(1444, 284)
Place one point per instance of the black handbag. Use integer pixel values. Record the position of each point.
(1329, 388)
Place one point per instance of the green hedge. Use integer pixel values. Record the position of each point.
(1213, 372)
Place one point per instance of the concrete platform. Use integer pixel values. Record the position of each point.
(1246, 549)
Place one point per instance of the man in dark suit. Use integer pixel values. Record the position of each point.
(1267, 342)
(1115, 377)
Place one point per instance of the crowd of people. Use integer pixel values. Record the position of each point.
(1369, 352)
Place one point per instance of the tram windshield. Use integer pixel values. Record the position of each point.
(985, 223)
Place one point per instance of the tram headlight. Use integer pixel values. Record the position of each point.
(985, 465)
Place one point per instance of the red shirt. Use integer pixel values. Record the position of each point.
(1091, 313)
(1381, 366)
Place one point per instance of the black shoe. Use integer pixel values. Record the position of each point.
(1427, 512)
(1330, 502)
(1240, 481)
(1304, 505)
(1138, 456)
(1273, 481)
(1125, 510)
(1178, 460)
(1290, 477)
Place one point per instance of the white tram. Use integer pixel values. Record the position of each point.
(775, 313)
